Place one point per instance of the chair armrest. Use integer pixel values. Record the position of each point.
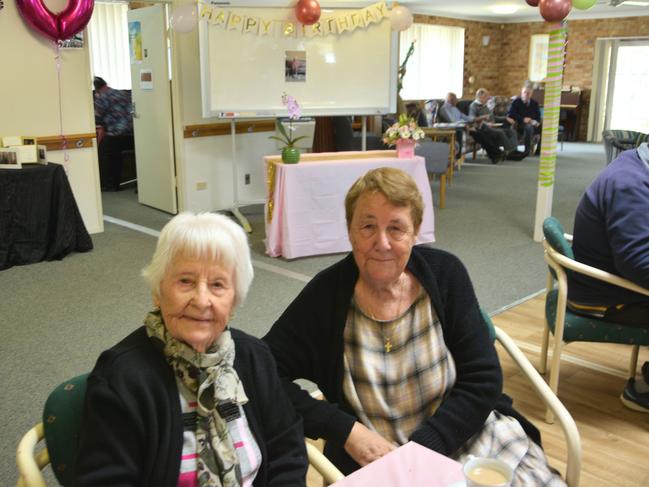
(593, 272)
(568, 425)
(30, 464)
(323, 466)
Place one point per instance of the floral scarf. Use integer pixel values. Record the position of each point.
(216, 385)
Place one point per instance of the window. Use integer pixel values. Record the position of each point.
(538, 66)
(437, 64)
(108, 41)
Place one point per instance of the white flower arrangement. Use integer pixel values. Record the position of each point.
(405, 128)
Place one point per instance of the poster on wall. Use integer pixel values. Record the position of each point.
(135, 41)
(295, 65)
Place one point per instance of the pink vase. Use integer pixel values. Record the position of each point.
(405, 148)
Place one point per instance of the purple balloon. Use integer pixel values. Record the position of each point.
(533, 3)
(555, 10)
(57, 27)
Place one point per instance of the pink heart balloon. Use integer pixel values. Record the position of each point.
(63, 25)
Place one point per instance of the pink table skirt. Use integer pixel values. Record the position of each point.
(408, 466)
(308, 211)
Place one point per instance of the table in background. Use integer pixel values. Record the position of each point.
(39, 217)
(305, 202)
(407, 466)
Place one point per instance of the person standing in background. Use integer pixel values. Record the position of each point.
(114, 121)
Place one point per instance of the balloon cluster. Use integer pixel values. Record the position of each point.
(58, 27)
(557, 10)
(307, 12)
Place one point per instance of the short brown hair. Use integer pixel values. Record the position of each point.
(396, 185)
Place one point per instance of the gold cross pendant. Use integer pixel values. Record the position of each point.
(387, 345)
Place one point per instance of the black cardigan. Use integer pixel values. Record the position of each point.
(132, 432)
(307, 342)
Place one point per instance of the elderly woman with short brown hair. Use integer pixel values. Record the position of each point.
(185, 400)
(393, 337)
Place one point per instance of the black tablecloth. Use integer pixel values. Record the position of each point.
(39, 217)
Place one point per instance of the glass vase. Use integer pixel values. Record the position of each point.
(290, 155)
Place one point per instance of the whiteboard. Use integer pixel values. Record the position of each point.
(243, 74)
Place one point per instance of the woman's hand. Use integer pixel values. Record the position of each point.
(365, 446)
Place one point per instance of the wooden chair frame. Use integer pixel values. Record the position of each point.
(557, 263)
(552, 402)
(30, 463)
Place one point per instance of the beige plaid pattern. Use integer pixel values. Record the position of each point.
(503, 437)
(392, 393)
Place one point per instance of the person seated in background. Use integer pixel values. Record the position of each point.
(394, 338)
(417, 114)
(526, 113)
(114, 121)
(611, 232)
(185, 400)
(489, 141)
(503, 135)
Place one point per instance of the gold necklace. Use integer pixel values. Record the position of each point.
(387, 340)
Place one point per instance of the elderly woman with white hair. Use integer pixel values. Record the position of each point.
(185, 400)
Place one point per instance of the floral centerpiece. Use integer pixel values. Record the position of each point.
(404, 134)
(290, 153)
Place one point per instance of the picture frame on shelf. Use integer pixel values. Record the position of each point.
(9, 158)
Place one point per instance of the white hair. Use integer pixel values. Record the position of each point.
(205, 237)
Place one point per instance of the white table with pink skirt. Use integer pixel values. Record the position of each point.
(409, 465)
(305, 202)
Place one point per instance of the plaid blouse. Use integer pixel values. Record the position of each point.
(393, 392)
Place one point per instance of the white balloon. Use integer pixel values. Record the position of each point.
(400, 18)
(184, 18)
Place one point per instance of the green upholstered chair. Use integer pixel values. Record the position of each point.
(567, 326)
(616, 141)
(60, 429)
(60, 426)
(567, 423)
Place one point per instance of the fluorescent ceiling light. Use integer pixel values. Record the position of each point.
(504, 9)
(636, 3)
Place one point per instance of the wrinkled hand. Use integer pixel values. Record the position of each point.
(365, 446)
(527, 120)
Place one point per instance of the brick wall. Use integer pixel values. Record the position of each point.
(501, 66)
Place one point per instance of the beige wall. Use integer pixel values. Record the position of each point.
(29, 102)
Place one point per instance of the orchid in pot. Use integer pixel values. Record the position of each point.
(290, 153)
(404, 134)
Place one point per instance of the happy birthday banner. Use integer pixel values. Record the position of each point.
(334, 24)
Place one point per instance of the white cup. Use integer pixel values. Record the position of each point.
(487, 472)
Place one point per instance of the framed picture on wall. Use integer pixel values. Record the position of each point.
(9, 159)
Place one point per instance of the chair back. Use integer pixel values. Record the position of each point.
(61, 422)
(436, 155)
(343, 133)
(490, 324)
(554, 234)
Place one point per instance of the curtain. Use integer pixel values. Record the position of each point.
(437, 64)
(108, 42)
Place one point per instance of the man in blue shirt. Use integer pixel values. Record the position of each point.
(114, 121)
(611, 233)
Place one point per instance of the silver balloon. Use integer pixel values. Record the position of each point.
(184, 18)
(400, 18)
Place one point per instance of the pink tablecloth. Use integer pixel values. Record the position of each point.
(408, 466)
(308, 215)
